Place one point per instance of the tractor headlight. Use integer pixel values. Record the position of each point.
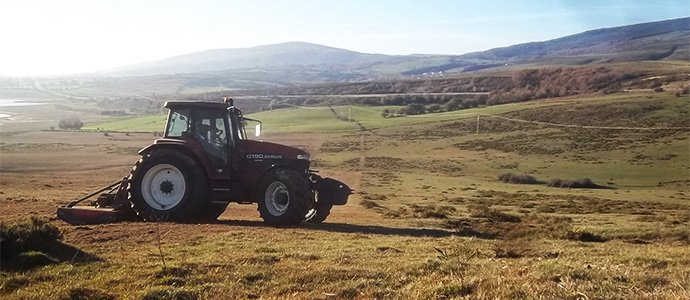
(303, 156)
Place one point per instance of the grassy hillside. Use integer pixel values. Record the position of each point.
(604, 138)
(646, 41)
(137, 124)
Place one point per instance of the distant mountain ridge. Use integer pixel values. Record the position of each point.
(267, 56)
(313, 63)
(662, 37)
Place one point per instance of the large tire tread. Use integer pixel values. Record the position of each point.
(196, 194)
(322, 211)
(301, 197)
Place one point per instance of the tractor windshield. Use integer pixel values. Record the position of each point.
(178, 123)
(240, 123)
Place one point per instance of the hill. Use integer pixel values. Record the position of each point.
(647, 41)
(261, 57)
(305, 62)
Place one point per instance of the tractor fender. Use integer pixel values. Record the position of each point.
(195, 153)
(329, 190)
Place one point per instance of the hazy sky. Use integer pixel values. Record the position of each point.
(45, 37)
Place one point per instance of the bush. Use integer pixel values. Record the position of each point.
(584, 236)
(385, 113)
(87, 294)
(583, 183)
(492, 214)
(432, 211)
(70, 123)
(369, 203)
(414, 109)
(433, 108)
(28, 235)
(517, 179)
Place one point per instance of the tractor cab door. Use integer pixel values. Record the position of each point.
(210, 129)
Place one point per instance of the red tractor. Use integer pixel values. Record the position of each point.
(204, 162)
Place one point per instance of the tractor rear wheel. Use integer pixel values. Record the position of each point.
(284, 197)
(167, 185)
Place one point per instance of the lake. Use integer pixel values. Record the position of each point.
(10, 102)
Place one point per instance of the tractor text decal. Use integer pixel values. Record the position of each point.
(264, 156)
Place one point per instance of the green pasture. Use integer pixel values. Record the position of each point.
(138, 124)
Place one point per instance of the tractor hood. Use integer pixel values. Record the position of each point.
(266, 151)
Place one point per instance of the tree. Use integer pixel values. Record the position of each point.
(453, 104)
(414, 109)
(385, 113)
(70, 123)
(433, 108)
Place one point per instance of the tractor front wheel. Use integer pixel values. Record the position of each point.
(319, 212)
(284, 197)
(167, 185)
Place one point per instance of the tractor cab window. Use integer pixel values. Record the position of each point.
(178, 123)
(211, 133)
(209, 126)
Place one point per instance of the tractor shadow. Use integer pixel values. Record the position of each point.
(370, 229)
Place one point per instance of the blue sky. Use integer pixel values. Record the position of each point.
(47, 37)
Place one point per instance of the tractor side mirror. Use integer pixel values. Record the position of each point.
(257, 131)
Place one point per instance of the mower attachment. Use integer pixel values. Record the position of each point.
(109, 207)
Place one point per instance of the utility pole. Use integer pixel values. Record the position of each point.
(349, 113)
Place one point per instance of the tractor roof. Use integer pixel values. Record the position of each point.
(195, 104)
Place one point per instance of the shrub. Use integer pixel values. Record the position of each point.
(432, 211)
(87, 294)
(369, 204)
(433, 108)
(453, 104)
(584, 236)
(414, 109)
(583, 183)
(492, 214)
(28, 235)
(385, 113)
(518, 179)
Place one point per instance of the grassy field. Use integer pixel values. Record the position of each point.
(429, 220)
(138, 124)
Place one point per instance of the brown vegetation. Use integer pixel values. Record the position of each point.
(517, 178)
